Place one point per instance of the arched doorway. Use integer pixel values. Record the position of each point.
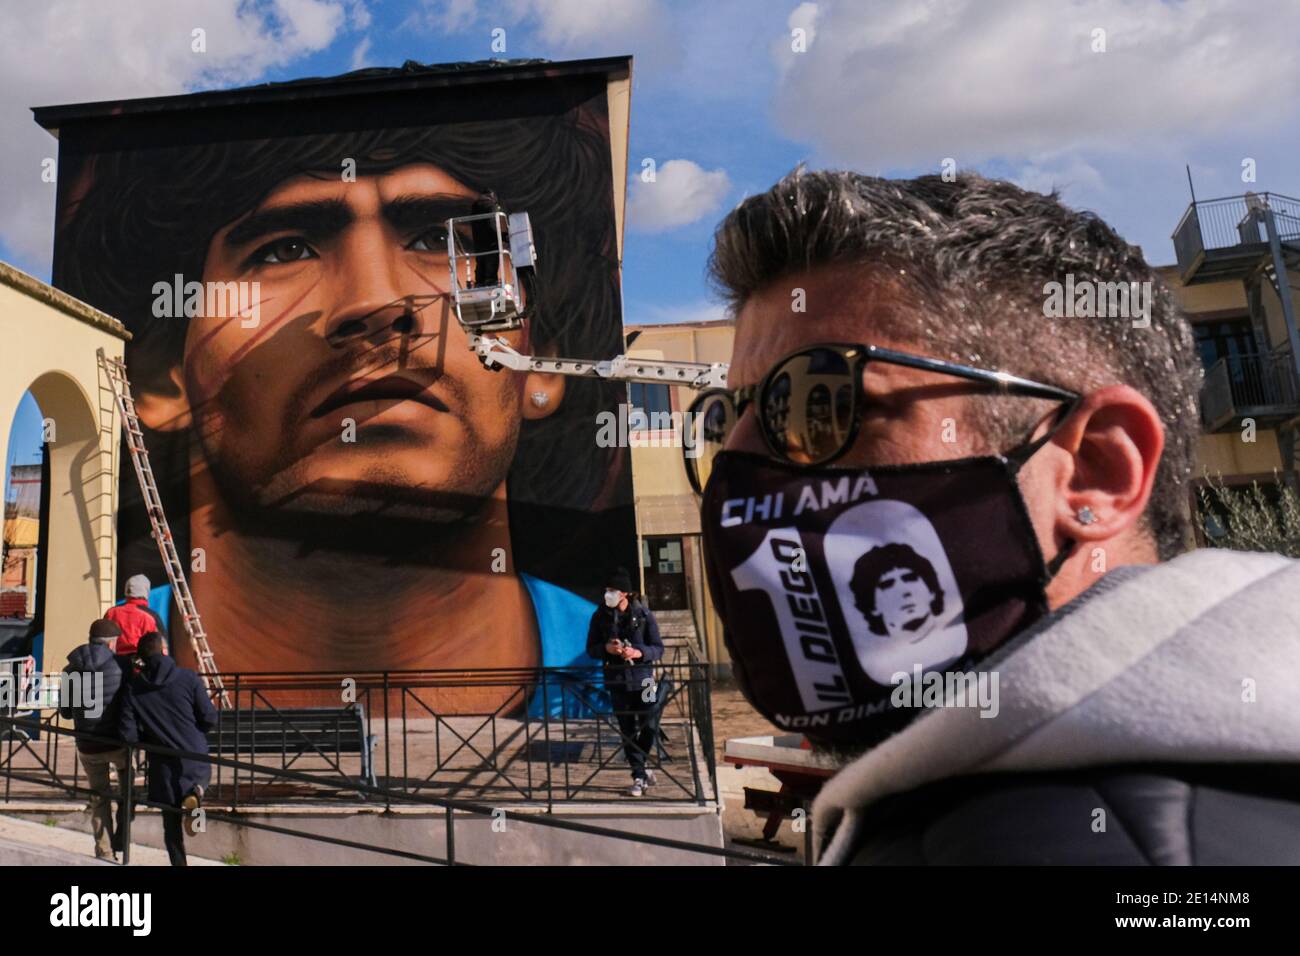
(50, 351)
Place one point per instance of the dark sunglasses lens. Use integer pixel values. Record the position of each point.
(807, 406)
(713, 419)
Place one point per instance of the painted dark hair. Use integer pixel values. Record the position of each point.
(878, 562)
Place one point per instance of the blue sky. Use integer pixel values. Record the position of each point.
(725, 104)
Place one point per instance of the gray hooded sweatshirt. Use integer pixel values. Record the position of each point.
(1192, 662)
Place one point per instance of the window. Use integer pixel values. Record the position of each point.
(1217, 340)
(652, 406)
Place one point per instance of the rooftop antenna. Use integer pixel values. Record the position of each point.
(1189, 182)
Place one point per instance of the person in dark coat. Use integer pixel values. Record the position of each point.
(167, 705)
(624, 635)
(91, 697)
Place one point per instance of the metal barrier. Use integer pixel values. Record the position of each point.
(449, 807)
(544, 735)
(23, 690)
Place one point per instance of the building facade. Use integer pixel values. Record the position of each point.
(22, 525)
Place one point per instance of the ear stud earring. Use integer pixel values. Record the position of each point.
(1085, 515)
(541, 399)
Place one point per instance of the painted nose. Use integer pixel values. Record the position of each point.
(399, 317)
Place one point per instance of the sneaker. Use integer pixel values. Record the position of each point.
(650, 779)
(638, 788)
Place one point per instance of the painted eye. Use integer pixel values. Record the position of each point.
(289, 249)
(432, 240)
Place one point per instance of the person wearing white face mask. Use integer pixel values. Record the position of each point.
(625, 636)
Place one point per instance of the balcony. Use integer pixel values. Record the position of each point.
(1225, 238)
(1262, 387)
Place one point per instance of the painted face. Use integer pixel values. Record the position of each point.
(356, 380)
(903, 601)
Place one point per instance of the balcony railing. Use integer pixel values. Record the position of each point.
(1249, 386)
(1219, 225)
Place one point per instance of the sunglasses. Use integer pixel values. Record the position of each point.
(810, 404)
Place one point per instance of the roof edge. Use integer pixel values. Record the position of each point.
(356, 83)
(29, 285)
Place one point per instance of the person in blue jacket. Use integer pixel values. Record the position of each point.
(167, 705)
(624, 635)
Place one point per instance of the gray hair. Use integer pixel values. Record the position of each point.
(975, 255)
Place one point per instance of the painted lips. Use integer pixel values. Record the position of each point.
(389, 388)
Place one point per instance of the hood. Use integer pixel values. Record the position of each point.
(89, 657)
(1196, 660)
(158, 670)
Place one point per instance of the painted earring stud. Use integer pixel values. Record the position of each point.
(541, 399)
(1085, 515)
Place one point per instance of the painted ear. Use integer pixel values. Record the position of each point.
(165, 412)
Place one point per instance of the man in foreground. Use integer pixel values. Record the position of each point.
(166, 705)
(1104, 698)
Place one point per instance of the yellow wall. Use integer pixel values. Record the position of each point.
(659, 471)
(50, 340)
(665, 502)
(1226, 454)
(1274, 320)
(1205, 296)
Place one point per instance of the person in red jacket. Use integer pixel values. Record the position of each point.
(135, 617)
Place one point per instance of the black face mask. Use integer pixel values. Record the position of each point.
(831, 581)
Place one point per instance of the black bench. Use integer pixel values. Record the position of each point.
(328, 732)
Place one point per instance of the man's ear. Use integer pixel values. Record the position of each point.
(1114, 440)
(543, 392)
(165, 412)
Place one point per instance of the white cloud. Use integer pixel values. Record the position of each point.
(901, 86)
(361, 55)
(445, 16)
(358, 14)
(704, 310)
(563, 28)
(682, 193)
(802, 17)
(572, 24)
(1044, 174)
(62, 51)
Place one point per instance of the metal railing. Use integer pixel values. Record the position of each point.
(542, 736)
(1211, 224)
(27, 729)
(1238, 385)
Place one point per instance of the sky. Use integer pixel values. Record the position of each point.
(1106, 101)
